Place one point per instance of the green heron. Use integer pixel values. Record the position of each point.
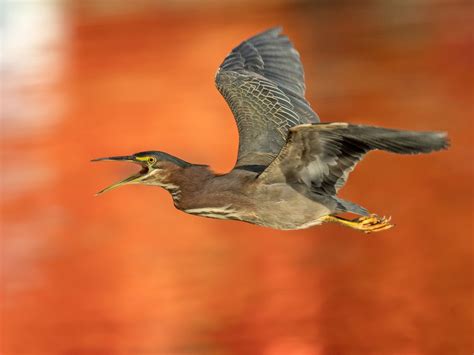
(290, 166)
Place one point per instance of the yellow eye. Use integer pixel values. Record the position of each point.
(151, 160)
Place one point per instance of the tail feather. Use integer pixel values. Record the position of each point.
(348, 206)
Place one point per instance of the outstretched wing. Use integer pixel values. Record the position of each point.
(262, 81)
(321, 156)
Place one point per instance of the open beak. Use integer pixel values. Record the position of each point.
(134, 179)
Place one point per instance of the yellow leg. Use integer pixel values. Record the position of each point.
(367, 224)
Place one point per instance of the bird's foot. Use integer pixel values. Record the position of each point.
(366, 224)
(372, 223)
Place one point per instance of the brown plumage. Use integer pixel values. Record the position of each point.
(289, 166)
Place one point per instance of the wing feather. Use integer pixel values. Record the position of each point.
(262, 81)
(321, 156)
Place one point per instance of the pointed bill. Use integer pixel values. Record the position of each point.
(135, 178)
(129, 180)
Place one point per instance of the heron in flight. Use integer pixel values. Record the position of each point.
(290, 166)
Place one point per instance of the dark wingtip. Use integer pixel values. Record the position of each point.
(273, 31)
(443, 141)
(447, 141)
(277, 29)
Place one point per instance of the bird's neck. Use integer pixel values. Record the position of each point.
(184, 184)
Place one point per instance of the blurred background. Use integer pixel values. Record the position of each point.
(126, 273)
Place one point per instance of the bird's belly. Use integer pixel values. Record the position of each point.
(282, 207)
(267, 216)
(218, 212)
(275, 206)
(284, 214)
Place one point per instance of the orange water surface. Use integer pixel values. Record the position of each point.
(126, 273)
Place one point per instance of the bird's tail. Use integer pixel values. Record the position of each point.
(398, 141)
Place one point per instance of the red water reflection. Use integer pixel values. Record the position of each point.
(128, 274)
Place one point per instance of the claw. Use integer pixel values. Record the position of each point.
(379, 228)
(372, 223)
(366, 224)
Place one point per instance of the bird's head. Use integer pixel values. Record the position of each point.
(156, 168)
